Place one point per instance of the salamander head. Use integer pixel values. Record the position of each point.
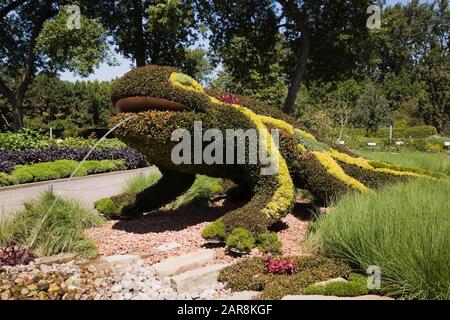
(158, 88)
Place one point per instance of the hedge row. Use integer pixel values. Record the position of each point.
(398, 132)
(28, 139)
(58, 170)
(10, 159)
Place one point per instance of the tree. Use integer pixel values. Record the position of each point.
(34, 35)
(373, 108)
(154, 31)
(314, 33)
(344, 103)
(51, 102)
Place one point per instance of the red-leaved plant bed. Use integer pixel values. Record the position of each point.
(230, 98)
(12, 254)
(281, 266)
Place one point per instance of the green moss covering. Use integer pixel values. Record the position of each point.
(250, 274)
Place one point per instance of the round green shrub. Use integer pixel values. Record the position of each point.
(106, 207)
(215, 230)
(241, 239)
(268, 243)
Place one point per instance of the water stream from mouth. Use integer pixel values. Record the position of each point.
(41, 224)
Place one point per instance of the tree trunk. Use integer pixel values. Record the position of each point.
(294, 13)
(139, 53)
(289, 103)
(17, 114)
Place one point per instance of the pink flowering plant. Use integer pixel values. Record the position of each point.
(230, 98)
(282, 266)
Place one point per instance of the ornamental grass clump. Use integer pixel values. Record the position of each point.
(52, 225)
(402, 229)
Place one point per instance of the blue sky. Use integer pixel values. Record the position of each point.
(105, 72)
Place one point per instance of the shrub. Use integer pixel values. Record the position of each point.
(6, 180)
(23, 140)
(112, 207)
(403, 229)
(215, 230)
(106, 207)
(281, 266)
(131, 157)
(250, 274)
(90, 143)
(57, 170)
(12, 254)
(268, 243)
(241, 239)
(356, 286)
(55, 223)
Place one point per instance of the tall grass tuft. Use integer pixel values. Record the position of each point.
(61, 230)
(403, 229)
(140, 182)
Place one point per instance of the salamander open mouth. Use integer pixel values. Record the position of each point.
(140, 104)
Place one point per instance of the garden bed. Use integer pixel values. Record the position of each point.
(23, 161)
(184, 226)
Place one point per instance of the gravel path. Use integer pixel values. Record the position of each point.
(184, 226)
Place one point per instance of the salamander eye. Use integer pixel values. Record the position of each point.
(183, 81)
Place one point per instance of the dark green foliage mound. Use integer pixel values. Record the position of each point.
(241, 240)
(214, 231)
(250, 274)
(268, 243)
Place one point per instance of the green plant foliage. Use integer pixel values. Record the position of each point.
(59, 169)
(153, 81)
(140, 182)
(420, 211)
(241, 239)
(268, 243)
(215, 230)
(81, 51)
(356, 286)
(304, 162)
(419, 162)
(199, 193)
(57, 224)
(107, 207)
(23, 140)
(90, 143)
(250, 274)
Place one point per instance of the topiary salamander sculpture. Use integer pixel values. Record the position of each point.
(155, 101)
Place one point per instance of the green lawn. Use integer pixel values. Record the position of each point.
(439, 162)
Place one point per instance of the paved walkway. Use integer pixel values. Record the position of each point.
(87, 189)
